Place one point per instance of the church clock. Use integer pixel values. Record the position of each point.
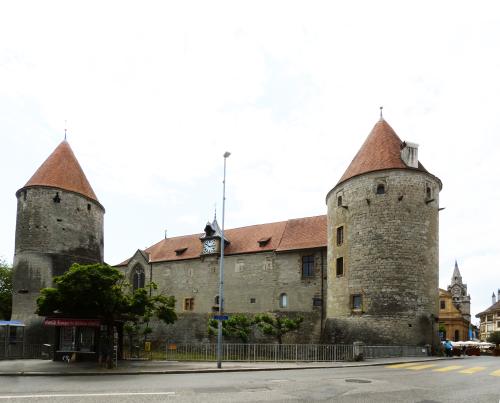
(209, 246)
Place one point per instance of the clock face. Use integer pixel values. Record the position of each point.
(209, 246)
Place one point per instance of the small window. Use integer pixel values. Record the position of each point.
(380, 189)
(264, 241)
(340, 236)
(180, 251)
(188, 304)
(252, 300)
(317, 301)
(357, 302)
(88, 206)
(428, 192)
(216, 300)
(308, 266)
(283, 300)
(339, 201)
(442, 304)
(138, 278)
(56, 198)
(340, 266)
(489, 318)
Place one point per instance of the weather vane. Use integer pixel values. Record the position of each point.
(65, 128)
(381, 115)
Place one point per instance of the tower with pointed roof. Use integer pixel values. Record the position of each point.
(59, 222)
(458, 291)
(383, 246)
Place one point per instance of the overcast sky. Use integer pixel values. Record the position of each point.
(155, 92)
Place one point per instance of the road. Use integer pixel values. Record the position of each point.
(471, 380)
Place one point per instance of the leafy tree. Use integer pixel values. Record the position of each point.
(5, 290)
(237, 325)
(276, 325)
(494, 338)
(101, 291)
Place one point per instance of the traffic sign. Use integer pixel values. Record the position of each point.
(221, 317)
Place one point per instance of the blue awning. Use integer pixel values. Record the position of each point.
(11, 323)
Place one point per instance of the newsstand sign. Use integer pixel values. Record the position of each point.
(64, 322)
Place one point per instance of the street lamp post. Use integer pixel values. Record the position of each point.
(221, 269)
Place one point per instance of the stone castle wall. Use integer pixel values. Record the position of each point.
(253, 284)
(390, 252)
(54, 229)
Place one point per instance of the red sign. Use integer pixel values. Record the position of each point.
(72, 322)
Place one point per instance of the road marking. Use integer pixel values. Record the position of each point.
(450, 368)
(472, 370)
(419, 367)
(406, 364)
(496, 373)
(279, 380)
(89, 394)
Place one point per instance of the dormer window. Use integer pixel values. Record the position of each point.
(180, 251)
(264, 241)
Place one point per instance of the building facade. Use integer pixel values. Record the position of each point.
(275, 267)
(59, 222)
(490, 318)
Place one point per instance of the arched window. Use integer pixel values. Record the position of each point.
(283, 300)
(457, 335)
(380, 189)
(138, 277)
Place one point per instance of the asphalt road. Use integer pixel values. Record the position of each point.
(471, 380)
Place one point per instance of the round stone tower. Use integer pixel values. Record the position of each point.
(59, 222)
(383, 246)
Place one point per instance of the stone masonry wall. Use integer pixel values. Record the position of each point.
(390, 253)
(253, 283)
(54, 229)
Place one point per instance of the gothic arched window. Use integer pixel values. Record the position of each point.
(138, 277)
(283, 300)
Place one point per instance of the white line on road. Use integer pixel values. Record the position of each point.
(89, 395)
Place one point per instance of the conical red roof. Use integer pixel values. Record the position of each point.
(62, 170)
(381, 150)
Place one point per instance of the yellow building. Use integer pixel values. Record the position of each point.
(455, 323)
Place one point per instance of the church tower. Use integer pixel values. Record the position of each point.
(59, 222)
(383, 246)
(459, 294)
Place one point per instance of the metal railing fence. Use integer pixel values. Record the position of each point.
(261, 352)
(21, 350)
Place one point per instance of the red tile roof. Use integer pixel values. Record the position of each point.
(62, 170)
(381, 150)
(301, 233)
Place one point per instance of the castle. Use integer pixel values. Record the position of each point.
(367, 270)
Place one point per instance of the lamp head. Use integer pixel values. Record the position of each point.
(226, 154)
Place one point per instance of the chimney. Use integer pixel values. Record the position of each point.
(493, 299)
(409, 154)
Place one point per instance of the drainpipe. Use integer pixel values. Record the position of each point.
(322, 293)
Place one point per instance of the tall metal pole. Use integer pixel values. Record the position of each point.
(221, 269)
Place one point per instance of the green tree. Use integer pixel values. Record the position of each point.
(237, 325)
(101, 291)
(495, 338)
(276, 325)
(5, 290)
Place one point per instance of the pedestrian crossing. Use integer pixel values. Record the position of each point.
(461, 369)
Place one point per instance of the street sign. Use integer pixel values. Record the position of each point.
(221, 317)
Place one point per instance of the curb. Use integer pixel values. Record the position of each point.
(214, 370)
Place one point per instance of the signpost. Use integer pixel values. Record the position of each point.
(221, 317)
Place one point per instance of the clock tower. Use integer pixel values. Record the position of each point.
(211, 239)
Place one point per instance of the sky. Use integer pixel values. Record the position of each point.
(154, 92)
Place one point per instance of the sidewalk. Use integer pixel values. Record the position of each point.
(51, 368)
